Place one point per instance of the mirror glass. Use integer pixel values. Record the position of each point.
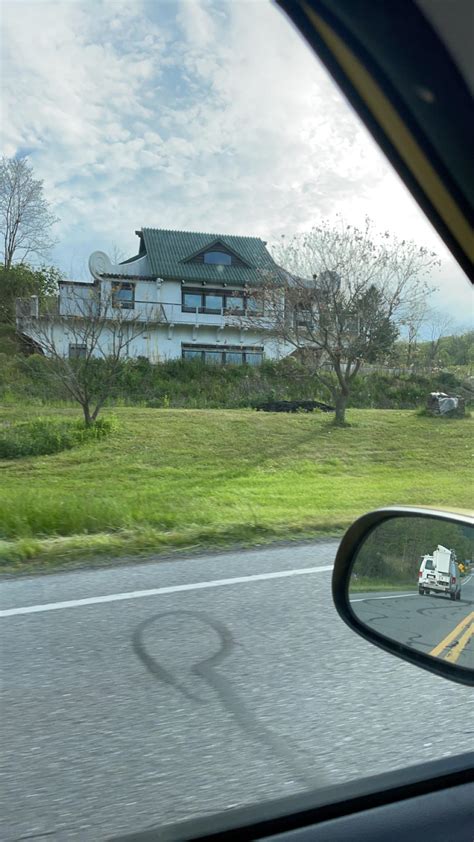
(413, 581)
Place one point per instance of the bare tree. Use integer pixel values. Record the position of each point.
(25, 218)
(116, 254)
(341, 300)
(440, 325)
(411, 324)
(85, 344)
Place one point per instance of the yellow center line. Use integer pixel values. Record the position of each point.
(453, 635)
(454, 653)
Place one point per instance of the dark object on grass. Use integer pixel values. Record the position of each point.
(439, 403)
(293, 406)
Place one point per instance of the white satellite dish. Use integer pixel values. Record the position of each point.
(99, 264)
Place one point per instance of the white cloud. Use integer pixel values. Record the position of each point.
(198, 115)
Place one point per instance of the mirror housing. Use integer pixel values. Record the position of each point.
(349, 548)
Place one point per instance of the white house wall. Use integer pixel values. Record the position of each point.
(75, 298)
(49, 335)
(160, 342)
(168, 328)
(140, 266)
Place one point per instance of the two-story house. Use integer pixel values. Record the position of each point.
(183, 295)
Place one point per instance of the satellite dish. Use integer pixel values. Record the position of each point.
(99, 264)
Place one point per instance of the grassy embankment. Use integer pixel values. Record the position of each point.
(367, 585)
(174, 479)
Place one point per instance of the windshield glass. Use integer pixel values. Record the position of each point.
(226, 330)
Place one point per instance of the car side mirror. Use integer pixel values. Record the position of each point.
(424, 616)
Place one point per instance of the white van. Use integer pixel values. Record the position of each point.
(439, 573)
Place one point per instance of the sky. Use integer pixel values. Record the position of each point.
(200, 115)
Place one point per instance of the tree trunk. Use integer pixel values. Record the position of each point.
(341, 404)
(88, 419)
(96, 412)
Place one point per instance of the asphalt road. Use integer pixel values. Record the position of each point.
(145, 695)
(432, 624)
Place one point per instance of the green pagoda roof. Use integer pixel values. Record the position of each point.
(172, 255)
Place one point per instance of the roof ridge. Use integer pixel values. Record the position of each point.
(201, 233)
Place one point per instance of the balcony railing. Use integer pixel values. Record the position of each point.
(175, 313)
(28, 309)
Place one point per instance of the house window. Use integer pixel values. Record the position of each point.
(217, 255)
(254, 306)
(191, 302)
(305, 318)
(192, 354)
(234, 355)
(213, 302)
(234, 304)
(123, 296)
(221, 258)
(202, 302)
(352, 325)
(213, 357)
(77, 352)
(253, 358)
(219, 301)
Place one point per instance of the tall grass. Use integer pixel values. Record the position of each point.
(43, 436)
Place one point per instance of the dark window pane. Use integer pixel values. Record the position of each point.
(234, 303)
(352, 324)
(192, 354)
(305, 318)
(77, 351)
(192, 300)
(233, 358)
(254, 305)
(253, 358)
(219, 257)
(123, 295)
(213, 356)
(213, 303)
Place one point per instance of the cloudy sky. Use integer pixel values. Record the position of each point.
(210, 116)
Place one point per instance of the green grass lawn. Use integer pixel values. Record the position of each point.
(368, 585)
(198, 478)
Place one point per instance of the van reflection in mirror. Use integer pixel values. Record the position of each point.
(412, 581)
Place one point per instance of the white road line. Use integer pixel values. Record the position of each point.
(394, 596)
(196, 586)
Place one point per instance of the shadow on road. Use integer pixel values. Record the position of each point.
(206, 670)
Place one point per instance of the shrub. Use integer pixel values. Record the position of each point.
(44, 436)
(372, 566)
(194, 385)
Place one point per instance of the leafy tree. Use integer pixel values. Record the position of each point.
(25, 218)
(340, 302)
(23, 281)
(458, 349)
(439, 350)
